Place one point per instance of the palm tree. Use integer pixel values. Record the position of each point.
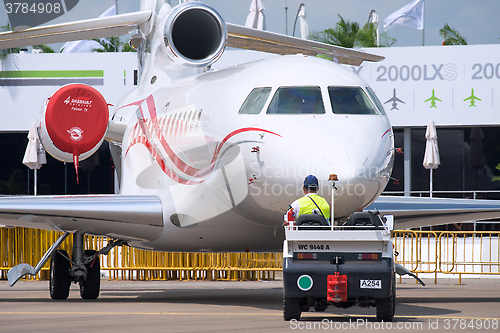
(347, 34)
(127, 48)
(112, 44)
(44, 48)
(14, 185)
(9, 64)
(451, 36)
(344, 34)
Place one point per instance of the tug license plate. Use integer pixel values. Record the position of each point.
(370, 284)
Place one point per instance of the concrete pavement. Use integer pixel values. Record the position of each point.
(209, 306)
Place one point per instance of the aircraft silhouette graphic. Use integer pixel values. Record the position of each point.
(433, 100)
(394, 101)
(472, 99)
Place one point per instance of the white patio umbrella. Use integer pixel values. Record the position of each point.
(255, 18)
(34, 156)
(304, 27)
(431, 156)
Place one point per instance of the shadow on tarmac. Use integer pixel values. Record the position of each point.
(259, 298)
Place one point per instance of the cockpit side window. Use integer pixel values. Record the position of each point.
(297, 100)
(374, 97)
(255, 101)
(350, 100)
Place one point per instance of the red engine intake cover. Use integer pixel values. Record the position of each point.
(76, 118)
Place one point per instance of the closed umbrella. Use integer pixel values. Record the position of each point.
(255, 18)
(431, 156)
(304, 27)
(34, 155)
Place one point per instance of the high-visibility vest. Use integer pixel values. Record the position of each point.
(307, 206)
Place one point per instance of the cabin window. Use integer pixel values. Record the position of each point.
(255, 101)
(350, 100)
(297, 100)
(375, 99)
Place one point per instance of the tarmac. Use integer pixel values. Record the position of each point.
(252, 306)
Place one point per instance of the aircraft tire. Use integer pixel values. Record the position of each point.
(291, 308)
(386, 307)
(59, 281)
(89, 288)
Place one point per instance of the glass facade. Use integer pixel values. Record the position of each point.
(467, 164)
(469, 157)
(96, 174)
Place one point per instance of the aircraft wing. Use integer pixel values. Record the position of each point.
(86, 29)
(413, 212)
(265, 41)
(239, 37)
(117, 216)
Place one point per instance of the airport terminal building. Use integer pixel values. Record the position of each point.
(456, 86)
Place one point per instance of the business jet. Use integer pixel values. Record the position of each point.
(208, 160)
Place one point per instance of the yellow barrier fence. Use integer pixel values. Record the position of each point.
(23, 245)
(446, 252)
(421, 252)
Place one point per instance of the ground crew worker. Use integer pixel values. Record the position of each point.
(310, 203)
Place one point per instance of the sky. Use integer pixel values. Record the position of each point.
(478, 21)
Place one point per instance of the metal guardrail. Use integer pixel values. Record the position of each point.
(435, 252)
(23, 245)
(471, 194)
(448, 252)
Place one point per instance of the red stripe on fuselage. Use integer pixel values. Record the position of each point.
(146, 128)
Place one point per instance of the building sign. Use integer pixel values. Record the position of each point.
(454, 85)
(23, 91)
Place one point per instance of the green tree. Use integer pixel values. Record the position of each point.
(44, 48)
(14, 185)
(451, 36)
(9, 64)
(349, 34)
(112, 44)
(343, 35)
(495, 178)
(127, 48)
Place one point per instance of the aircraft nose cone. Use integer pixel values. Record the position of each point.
(350, 148)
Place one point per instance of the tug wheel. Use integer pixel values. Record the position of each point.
(291, 308)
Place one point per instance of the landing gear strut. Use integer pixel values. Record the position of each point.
(85, 269)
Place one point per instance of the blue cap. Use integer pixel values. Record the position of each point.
(311, 182)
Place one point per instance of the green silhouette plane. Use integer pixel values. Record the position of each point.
(433, 100)
(472, 99)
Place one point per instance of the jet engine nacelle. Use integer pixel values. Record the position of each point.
(73, 122)
(195, 35)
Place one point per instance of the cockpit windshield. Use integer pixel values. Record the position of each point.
(376, 100)
(255, 101)
(350, 100)
(297, 100)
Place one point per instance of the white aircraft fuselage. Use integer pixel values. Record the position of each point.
(211, 159)
(225, 179)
